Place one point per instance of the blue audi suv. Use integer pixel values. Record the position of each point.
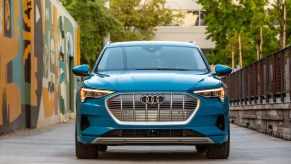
(152, 93)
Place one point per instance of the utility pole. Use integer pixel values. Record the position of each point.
(284, 26)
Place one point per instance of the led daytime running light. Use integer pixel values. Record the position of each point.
(212, 93)
(93, 93)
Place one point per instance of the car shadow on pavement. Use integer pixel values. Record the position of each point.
(141, 156)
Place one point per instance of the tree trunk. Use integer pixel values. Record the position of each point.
(232, 59)
(240, 52)
(261, 43)
(258, 51)
(106, 39)
(284, 26)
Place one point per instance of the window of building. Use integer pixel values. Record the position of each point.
(192, 18)
(198, 18)
(201, 19)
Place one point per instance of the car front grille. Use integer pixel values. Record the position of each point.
(174, 108)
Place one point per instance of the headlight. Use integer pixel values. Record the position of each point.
(93, 93)
(212, 93)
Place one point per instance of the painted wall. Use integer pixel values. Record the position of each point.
(39, 44)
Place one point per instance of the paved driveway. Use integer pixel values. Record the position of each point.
(55, 144)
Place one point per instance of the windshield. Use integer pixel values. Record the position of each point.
(152, 58)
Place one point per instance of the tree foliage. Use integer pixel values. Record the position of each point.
(96, 21)
(277, 21)
(228, 19)
(125, 20)
(139, 18)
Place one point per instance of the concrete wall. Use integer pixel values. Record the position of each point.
(39, 44)
(185, 31)
(183, 4)
(184, 34)
(271, 119)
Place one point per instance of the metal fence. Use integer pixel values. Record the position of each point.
(265, 81)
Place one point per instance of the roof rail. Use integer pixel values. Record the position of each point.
(193, 42)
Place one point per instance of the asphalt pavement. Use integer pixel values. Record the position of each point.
(55, 144)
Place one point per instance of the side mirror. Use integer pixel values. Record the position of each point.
(81, 70)
(222, 70)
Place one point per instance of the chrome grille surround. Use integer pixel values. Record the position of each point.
(127, 109)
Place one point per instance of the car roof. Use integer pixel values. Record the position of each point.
(152, 43)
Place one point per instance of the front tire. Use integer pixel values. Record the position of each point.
(102, 147)
(200, 148)
(85, 151)
(219, 151)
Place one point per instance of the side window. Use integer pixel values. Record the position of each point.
(112, 59)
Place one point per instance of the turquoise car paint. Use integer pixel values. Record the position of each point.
(152, 80)
(222, 70)
(157, 82)
(81, 70)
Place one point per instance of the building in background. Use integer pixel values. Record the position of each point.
(192, 28)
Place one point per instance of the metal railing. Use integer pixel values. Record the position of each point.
(265, 81)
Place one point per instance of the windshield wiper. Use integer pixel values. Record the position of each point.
(176, 69)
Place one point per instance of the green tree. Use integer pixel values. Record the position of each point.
(277, 20)
(66, 2)
(247, 19)
(219, 17)
(139, 18)
(96, 21)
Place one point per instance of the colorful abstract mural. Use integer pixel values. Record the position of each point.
(39, 44)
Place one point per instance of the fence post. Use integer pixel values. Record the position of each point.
(274, 78)
(267, 80)
(289, 73)
(261, 81)
(242, 87)
(282, 75)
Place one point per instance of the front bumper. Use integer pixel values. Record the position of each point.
(204, 122)
(151, 140)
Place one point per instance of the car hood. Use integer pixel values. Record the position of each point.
(154, 80)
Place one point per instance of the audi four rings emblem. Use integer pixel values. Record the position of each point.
(152, 99)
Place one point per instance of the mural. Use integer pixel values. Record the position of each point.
(38, 47)
(12, 114)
